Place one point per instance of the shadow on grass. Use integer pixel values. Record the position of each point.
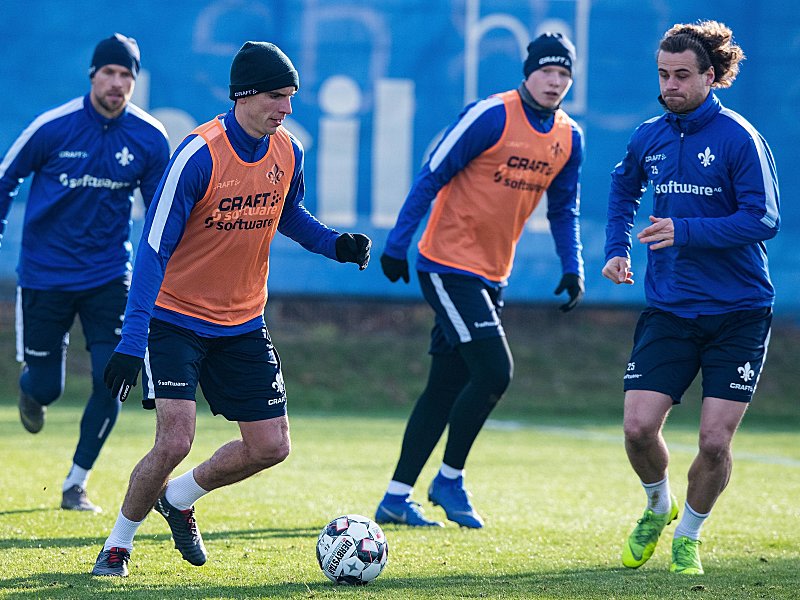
(21, 511)
(78, 542)
(728, 583)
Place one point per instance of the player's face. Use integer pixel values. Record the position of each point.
(683, 86)
(262, 114)
(112, 88)
(549, 85)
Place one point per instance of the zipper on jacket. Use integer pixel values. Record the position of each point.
(680, 157)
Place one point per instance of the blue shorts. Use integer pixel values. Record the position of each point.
(729, 349)
(240, 375)
(466, 308)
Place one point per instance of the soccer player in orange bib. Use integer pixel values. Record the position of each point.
(486, 176)
(195, 313)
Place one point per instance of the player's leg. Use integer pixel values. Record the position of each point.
(732, 364)
(711, 469)
(44, 319)
(175, 428)
(644, 416)
(264, 444)
(448, 375)
(100, 311)
(664, 361)
(491, 368)
(468, 313)
(241, 379)
(645, 413)
(169, 382)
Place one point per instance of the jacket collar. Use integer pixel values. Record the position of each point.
(248, 148)
(698, 118)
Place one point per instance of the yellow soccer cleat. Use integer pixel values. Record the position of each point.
(686, 556)
(642, 541)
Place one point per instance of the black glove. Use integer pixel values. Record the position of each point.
(354, 248)
(121, 373)
(394, 268)
(573, 284)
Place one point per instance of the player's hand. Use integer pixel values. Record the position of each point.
(3, 224)
(354, 248)
(661, 234)
(573, 285)
(618, 270)
(121, 373)
(394, 268)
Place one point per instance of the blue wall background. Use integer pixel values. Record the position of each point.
(381, 79)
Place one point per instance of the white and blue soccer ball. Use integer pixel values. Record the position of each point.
(352, 549)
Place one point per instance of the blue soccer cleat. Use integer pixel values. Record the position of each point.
(402, 511)
(454, 499)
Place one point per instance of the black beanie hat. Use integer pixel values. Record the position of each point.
(261, 67)
(116, 50)
(549, 49)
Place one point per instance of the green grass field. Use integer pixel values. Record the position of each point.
(549, 475)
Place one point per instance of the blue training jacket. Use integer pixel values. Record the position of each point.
(713, 174)
(478, 128)
(77, 225)
(185, 181)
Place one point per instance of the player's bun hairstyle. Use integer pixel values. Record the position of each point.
(712, 43)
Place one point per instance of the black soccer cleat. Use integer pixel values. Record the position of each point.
(112, 563)
(185, 533)
(75, 498)
(31, 413)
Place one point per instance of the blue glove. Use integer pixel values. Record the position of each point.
(354, 248)
(121, 373)
(573, 285)
(3, 224)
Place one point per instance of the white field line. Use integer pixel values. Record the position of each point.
(583, 434)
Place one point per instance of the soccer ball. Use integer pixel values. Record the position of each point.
(352, 549)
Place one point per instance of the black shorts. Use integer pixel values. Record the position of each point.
(669, 351)
(44, 318)
(240, 375)
(466, 308)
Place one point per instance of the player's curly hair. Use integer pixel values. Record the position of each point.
(712, 42)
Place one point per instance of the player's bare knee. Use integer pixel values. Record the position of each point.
(714, 447)
(172, 450)
(268, 455)
(638, 434)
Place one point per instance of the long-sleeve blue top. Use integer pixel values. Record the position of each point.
(714, 175)
(479, 127)
(191, 168)
(86, 168)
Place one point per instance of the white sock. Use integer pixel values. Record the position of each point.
(183, 492)
(691, 523)
(122, 534)
(397, 488)
(449, 472)
(659, 499)
(76, 476)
